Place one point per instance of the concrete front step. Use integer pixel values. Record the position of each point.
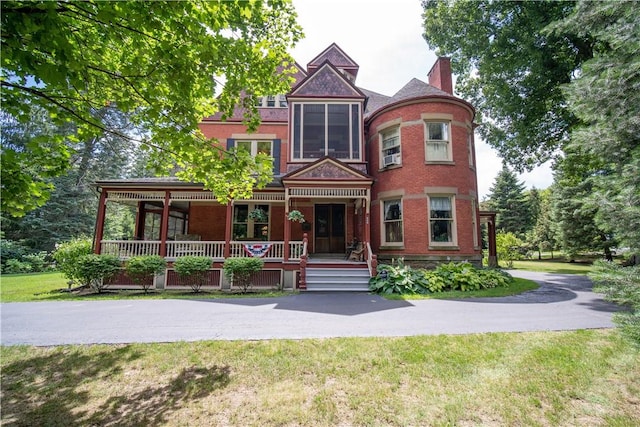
(337, 279)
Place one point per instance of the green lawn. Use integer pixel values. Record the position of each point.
(544, 378)
(48, 286)
(551, 266)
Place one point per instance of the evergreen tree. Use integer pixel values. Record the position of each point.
(508, 199)
(543, 235)
(575, 216)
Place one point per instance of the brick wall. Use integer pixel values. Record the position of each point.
(410, 180)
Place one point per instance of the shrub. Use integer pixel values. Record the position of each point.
(622, 286)
(193, 269)
(38, 261)
(508, 248)
(17, 258)
(96, 270)
(239, 270)
(398, 279)
(462, 276)
(143, 269)
(15, 266)
(67, 255)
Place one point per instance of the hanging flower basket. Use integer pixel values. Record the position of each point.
(258, 215)
(295, 215)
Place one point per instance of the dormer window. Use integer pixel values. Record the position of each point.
(271, 101)
(326, 129)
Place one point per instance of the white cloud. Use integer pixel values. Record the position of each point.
(385, 38)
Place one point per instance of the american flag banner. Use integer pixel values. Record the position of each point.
(257, 250)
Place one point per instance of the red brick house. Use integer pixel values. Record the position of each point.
(396, 173)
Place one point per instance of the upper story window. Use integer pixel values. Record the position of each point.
(438, 146)
(254, 147)
(326, 129)
(271, 101)
(390, 143)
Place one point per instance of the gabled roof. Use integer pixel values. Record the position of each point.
(335, 56)
(327, 168)
(327, 81)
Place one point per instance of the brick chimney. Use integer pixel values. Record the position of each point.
(440, 75)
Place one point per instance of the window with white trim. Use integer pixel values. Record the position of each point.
(392, 221)
(390, 143)
(441, 220)
(437, 141)
(255, 146)
(271, 101)
(326, 129)
(247, 226)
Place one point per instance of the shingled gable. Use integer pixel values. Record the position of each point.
(327, 168)
(326, 81)
(335, 56)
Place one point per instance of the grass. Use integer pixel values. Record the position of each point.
(543, 378)
(517, 287)
(551, 266)
(49, 286)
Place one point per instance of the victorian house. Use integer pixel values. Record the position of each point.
(375, 177)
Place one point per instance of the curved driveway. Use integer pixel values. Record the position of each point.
(563, 302)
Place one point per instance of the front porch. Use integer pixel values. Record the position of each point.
(173, 219)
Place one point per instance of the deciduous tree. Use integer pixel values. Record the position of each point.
(511, 70)
(167, 64)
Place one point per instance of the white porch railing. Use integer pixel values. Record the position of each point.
(124, 249)
(213, 250)
(129, 248)
(295, 250)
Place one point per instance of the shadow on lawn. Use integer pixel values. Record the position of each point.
(52, 389)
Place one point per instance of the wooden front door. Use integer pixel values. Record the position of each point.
(330, 228)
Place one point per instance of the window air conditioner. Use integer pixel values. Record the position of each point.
(393, 159)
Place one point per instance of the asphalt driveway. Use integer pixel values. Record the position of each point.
(563, 302)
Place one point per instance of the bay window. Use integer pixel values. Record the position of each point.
(326, 129)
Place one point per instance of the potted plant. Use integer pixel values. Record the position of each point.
(295, 215)
(258, 215)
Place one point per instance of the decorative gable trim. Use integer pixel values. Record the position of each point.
(335, 55)
(325, 82)
(327, 168)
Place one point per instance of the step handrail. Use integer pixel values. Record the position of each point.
(372, 261)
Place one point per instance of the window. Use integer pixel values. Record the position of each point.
(474, 223)
(245, 227)
(390, 146)
(470, 148)
(441, 221)
(437, 141)
(255, 147)
(271, 101)
(326, 130)
(392, 220)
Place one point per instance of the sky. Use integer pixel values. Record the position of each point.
(384, 37)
